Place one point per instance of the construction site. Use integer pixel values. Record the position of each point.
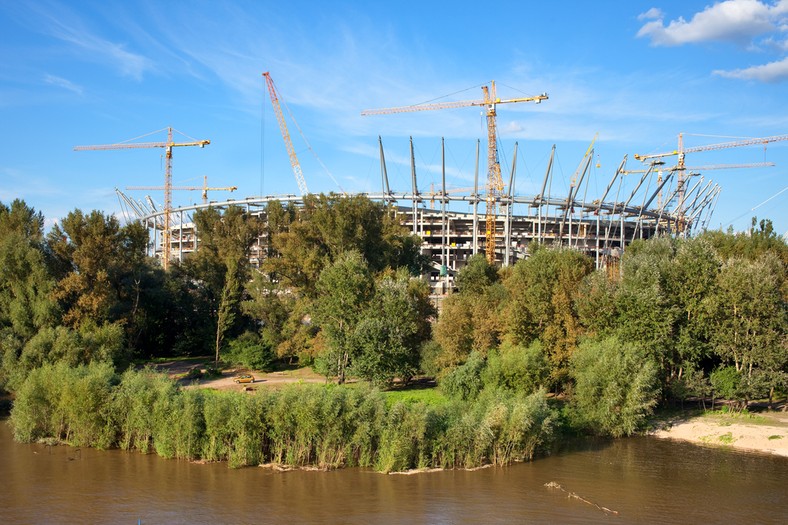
(662, 196)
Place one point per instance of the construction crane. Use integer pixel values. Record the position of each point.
(681, 152)
(285, 134)
(204, 188)
(494, 180)
(167, 176)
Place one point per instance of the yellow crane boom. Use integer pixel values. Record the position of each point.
(204, 188)
(681, 151)
(494, 181)
(285, 134)
(167, 146)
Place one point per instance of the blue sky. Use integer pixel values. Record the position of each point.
(638, 73)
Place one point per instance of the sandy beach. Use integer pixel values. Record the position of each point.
(765, 432)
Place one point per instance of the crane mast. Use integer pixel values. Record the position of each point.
(494, 180)
(285, 134)
(495, 184)
(166, 233)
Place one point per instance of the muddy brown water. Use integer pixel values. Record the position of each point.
(642, 480)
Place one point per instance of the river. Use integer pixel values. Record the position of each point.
(639, 480)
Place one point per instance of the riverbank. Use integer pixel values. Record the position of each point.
(765, 432)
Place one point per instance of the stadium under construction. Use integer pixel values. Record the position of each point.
(600, 227)
(657, 199)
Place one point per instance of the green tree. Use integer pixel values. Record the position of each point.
(25, 283)
(543, 290)
(750, 245)
(222, 265)
(750, 321)
(517, 368)
(646, 306)
(306, 240)
(616, 387)
(692, 281)
(271, 307)
(477, 275)
(344, 290)
(469, 322)
(596, 303)
(328, 226)
(388, 338)
(104, 276)
(97, 261)
(464, 382)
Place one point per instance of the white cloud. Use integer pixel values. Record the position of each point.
(513, 126)
(771, 72)
(755, 25)
(63, 83)
(731, 20)
(654, 13)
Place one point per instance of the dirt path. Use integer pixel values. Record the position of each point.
(766, 432)
(261, 379)
(177, 369)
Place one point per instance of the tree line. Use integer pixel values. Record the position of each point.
(86, 291)
(700, 318)
(339, 289)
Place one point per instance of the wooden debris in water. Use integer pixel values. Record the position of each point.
(554, 485)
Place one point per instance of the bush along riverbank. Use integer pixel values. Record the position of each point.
(322, 426)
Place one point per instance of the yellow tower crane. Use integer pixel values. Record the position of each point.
(204, 188)
(167, 176)
(494, 181)
(285, 134)
(681, 151)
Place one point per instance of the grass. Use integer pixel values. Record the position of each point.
(727, 439)
(775, 436)
(174, 359)
(726, 418)
(428, 396)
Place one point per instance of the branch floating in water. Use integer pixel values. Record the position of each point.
(554, 485)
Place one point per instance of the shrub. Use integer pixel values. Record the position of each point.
(615, 387)
(517, 368)
(408, 437)
(132, 402)
(726, 382)
(430, 358)
(497, 428)
(251, 351)
(464, 382)
(70, 404)
(328, 426)
(179, 425)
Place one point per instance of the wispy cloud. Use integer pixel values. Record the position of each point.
(771, 72)
(21, 184)
(652, 14)
(63, 83)
(62, 24)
